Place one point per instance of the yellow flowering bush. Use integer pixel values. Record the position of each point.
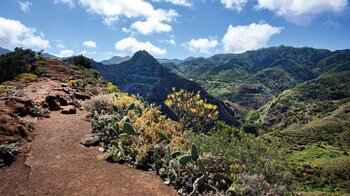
(72, 83)
(149, 126)
(123, 100)
(8, 88)
(26, 77)
(4, 90)
(191, 110)
(111, 88)
(151, 121)
(151, 129)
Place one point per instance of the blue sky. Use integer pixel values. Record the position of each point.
(171, 28)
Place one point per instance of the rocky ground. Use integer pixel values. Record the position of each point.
(48, 121)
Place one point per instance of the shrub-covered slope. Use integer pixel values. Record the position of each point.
(311, 123)
(314, 111)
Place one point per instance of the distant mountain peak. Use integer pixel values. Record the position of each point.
(143, 57)
(4, 51)
(142, 54)
(165, 60)
(115, 60)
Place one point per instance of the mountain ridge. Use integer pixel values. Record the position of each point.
(274, 69)
(4, 51)
(115, 60)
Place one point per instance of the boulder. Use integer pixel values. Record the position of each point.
(53, 102)
(19, 106)
(69, 110)
(63, 100)
(82, 95)
(11, 128)
(90, 140)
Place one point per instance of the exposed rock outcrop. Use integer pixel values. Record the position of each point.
(90, 140)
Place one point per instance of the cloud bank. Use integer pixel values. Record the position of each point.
(89, 44)
(239, 39)
(130, 44)
(13, 33)
(203, 45)
(154, 20)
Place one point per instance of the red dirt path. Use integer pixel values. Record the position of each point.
(60, 165)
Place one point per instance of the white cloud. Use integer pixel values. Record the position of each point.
(87, 53)
(180, 2)
(70, 3)
(110, 20)
(60, 46)
(301, 11)
(89, 44)
(35, 41)
(333, 24)
(202, 45)
(126, 30)
(237, 5)
(66, 53)
(132, 45)
(151, 25)
(14, 33)
(169, 41)
(242, 38)
(25, 6)
(154, 20)
(185, 3)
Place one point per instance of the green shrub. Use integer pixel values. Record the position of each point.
(7, 153)
(242, 153)
(255, 185)
(39, 111)
(82, 61)
(99, 103)
(39, 71)
(8, 90)
(26, 77)
(111, 88)
(93, 74)
(27, 122)
(14, 63)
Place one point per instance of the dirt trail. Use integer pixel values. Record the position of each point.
(60, 165)
(57, 164)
